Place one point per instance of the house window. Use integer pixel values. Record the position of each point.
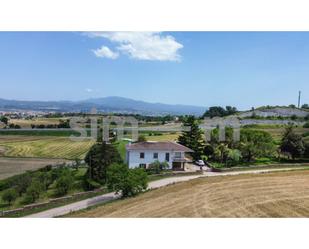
(155, 155)
(167, 157)
(142, 165)
(142, 155)
(177, 154)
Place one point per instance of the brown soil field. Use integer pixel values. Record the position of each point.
(280, 194)
(14, 166)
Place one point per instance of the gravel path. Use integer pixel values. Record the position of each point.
(54, 212)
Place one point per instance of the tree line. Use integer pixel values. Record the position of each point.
(253, 144)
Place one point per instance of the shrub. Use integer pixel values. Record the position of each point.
(293, 117)
(306, 154)
(234, 156)
(128, 182)
(63, 184)
(9, 195)
(157, 167)
(23, 183)
(306, 125)
(209, 150)
(292, 143)
(89, 184)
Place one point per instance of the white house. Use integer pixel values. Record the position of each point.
(144, 153)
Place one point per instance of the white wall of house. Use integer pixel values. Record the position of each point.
(134, 160)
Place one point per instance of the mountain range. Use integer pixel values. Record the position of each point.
(105, 105)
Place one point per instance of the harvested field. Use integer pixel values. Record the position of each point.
(15, 166)
(44, 147)
(26, 123)
(280, 194)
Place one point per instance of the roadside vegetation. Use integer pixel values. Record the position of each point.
(41, 185)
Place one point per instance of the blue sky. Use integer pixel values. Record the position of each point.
(242, 69)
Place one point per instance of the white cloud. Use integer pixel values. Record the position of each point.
(89, 90)
(105, 52)
(144, 45)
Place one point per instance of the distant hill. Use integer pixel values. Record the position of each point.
(278, 111)
(107, 104)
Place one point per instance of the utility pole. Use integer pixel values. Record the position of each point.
(299, 96)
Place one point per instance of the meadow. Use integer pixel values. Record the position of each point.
(277, 131)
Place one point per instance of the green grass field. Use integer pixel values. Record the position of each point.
(277, 132)
(43, 147)
(163, 137)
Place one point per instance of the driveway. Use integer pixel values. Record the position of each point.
(54, 212)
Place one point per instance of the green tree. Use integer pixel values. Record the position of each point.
(23, 183)
(254, 143)
(77, 163)
(221, 153)
(9, 195)
(33, 191)
(293, 117)
(215, 111)
(218, 111)
(192, 138)
(64, 184)
(209, 150)
(230, 110)
(292, 143)
(305, 106)
(128, 182)
(45, 178)
(99, 157)
(228, 137)
(141, 138)
(4, 120)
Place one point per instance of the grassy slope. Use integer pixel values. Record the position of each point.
(264, 195)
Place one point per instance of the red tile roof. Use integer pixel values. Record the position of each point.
(166, 146)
